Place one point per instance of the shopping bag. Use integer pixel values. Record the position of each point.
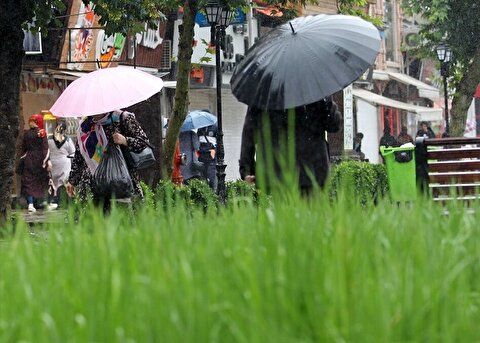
(111, 178)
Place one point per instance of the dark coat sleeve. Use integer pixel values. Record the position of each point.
(133, 132)
(329, 116)
(247, 151)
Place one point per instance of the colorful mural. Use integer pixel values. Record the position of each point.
(82, 38)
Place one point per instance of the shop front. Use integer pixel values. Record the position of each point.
(375, 112)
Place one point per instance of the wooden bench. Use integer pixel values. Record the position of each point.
(449, 168)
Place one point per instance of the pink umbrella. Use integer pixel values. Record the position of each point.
(106, 90)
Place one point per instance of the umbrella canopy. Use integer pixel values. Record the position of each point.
(106, 90)
(305, 60)
(197, 120)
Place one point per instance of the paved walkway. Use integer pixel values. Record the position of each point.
(41, 216)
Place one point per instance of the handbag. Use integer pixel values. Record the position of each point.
(142, 159)
(138, 160)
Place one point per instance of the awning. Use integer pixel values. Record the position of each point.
(425, 113)
(424, 90)
(74, 74)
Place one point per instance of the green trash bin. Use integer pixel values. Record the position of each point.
(400, 163)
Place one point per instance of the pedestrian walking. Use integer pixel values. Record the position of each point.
(311, 148)
(94, 133)
(190, 145)
(37, 165)
(207, 137)
(61, 147)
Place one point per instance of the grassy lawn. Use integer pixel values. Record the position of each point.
(289, 271)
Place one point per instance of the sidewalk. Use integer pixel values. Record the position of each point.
(41, 216)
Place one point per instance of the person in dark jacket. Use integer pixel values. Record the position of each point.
(387, 139)
(425, 131)
(37, 163)
(404, 137)
(311, 149)
(190, 145)
(208, 149)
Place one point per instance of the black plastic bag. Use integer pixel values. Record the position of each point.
(111, 178)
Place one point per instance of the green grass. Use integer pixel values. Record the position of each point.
(289, 271)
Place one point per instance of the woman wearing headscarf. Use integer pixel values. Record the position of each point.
(61, 146)
(37, 164)
(94, 132)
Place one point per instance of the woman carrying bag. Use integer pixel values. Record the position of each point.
(93, 136)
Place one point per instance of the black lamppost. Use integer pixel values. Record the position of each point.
(444, 55)
(218, 16)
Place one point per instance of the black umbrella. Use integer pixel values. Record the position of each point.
(305, 60)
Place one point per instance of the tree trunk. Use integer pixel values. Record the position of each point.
(11, 55)
(463, 96)
(183, 79)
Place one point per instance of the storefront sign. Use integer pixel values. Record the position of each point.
(109, 48)
(348, 118)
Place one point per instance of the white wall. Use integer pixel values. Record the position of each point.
(367, 123)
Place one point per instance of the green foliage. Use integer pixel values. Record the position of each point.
(381, 179)
(240, 193)
(124, 16)
(202, 195)
(449, 21)
(382, 273)
(456, 24)
(148, 194)
(168, 195)
(44, 13)
(357, 8)
(362, 181)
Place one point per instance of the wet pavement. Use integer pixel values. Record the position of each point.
(40, 216)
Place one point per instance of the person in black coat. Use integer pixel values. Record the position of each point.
(425, 131)
(208, 149)
(311, 148)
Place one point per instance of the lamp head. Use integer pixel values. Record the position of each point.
(213, 11)
(444, 53)
(218, 13)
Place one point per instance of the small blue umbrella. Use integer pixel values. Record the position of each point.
(198, 119)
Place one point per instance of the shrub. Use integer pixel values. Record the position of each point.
(168, 195)
(148, 194)
(364, 181)
(240, 192)
(200, 194)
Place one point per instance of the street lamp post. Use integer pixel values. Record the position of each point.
(444, 55)
(218, 16)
